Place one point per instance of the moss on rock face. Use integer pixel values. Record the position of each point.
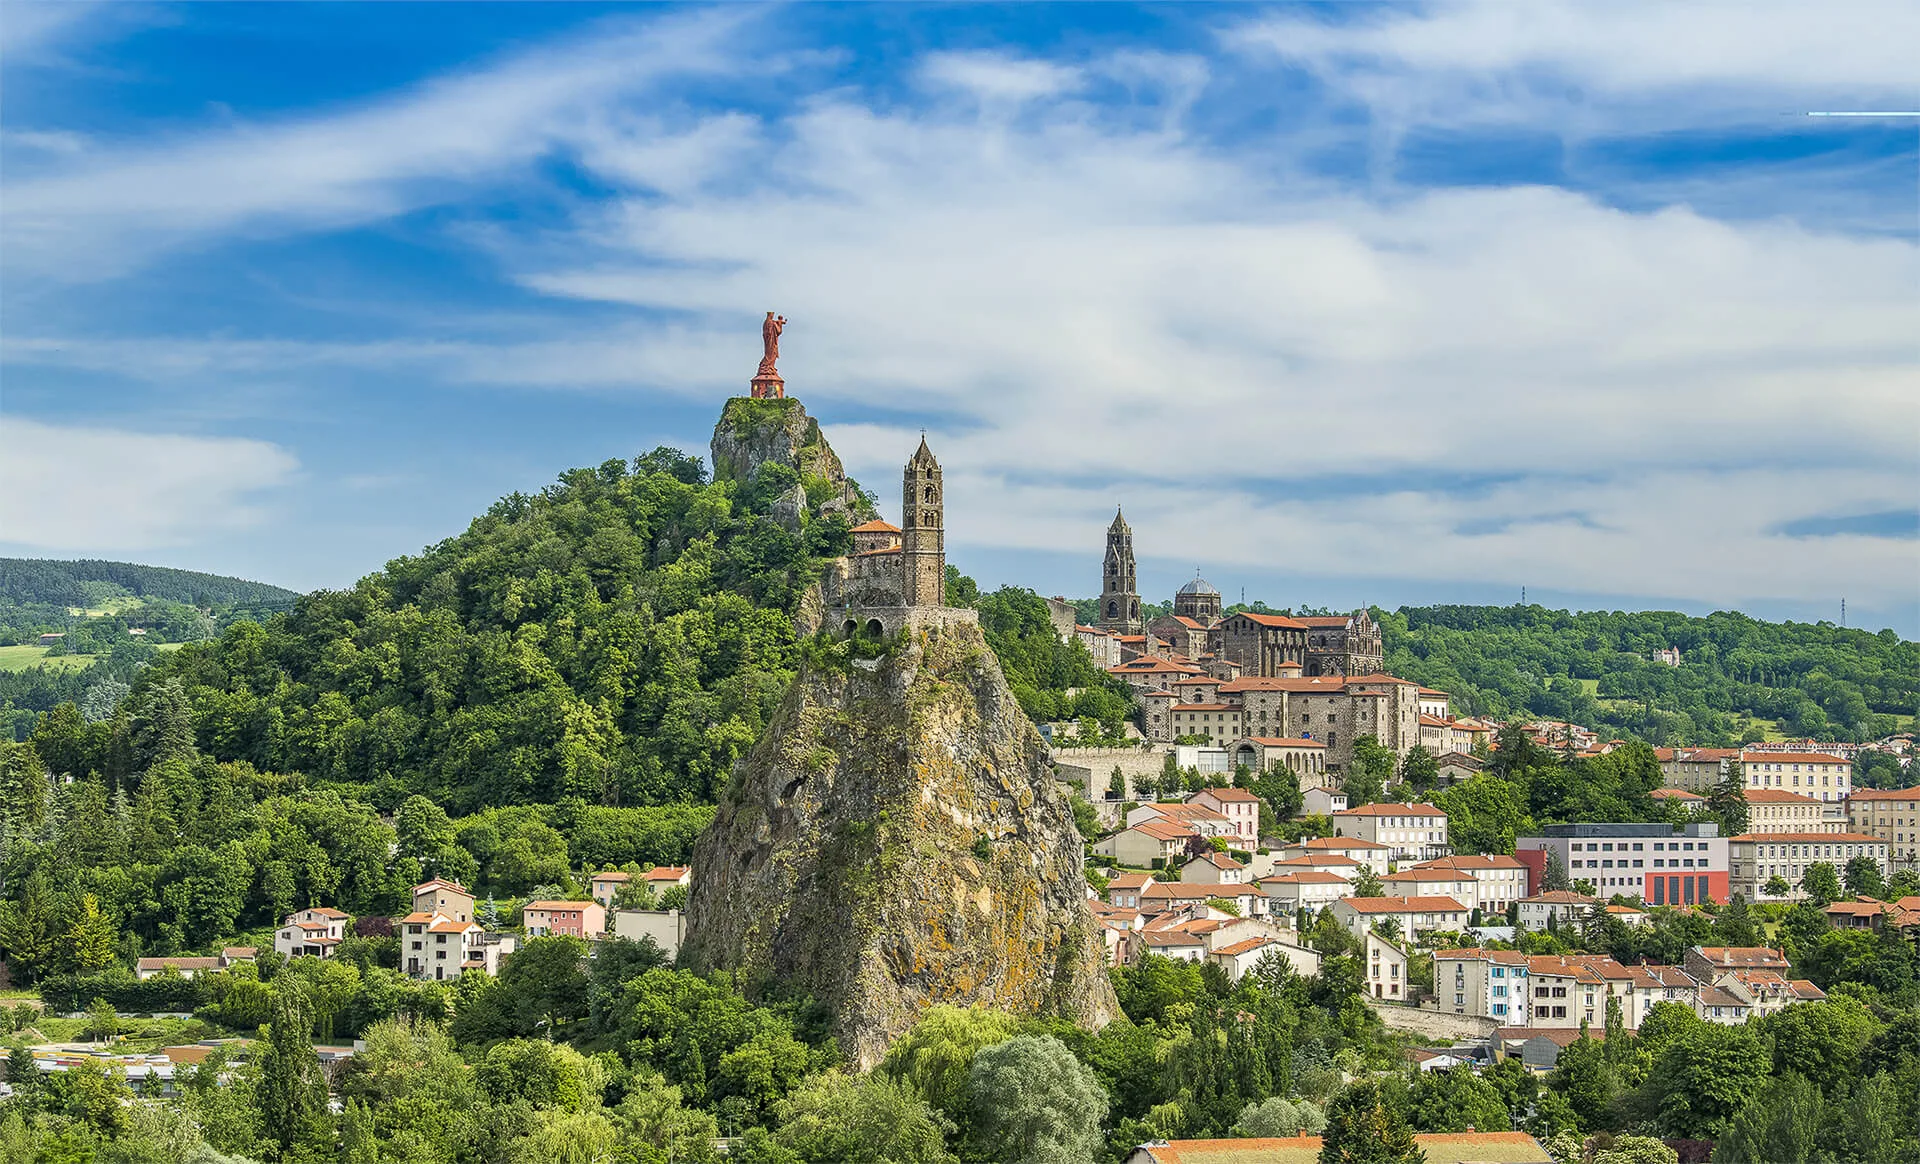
(895, 842)
(752, 432)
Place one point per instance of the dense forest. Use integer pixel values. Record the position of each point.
(1595, 668)
(86, 583)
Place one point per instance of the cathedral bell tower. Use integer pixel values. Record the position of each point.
(1119, 590)
(923, 547)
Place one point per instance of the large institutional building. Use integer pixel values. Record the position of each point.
(1273, 686)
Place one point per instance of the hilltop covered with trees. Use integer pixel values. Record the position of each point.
(1596, 668)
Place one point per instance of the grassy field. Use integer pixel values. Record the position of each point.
(1590, 686)
(29, 655)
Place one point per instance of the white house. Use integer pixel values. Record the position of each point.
(311, 933)
(1560, 906)
(1364, 853)
(1214, 869)
(1416, 915)
(1322, 801)
(1144, 843)
(1240, 807)
(436, 948)
(1410, 831)
(1238, 957)
(1386, 964)
(1289, 893)
(1458, 884)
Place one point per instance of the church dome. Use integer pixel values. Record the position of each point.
(1199, 585)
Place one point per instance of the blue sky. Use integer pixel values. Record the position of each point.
(1344, 304)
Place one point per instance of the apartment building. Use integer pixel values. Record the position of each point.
(1289, 893)
(1553, 907)
(1893, 815)
(1815, 774)
(1695, 769)
(1775, 810)
(1364, 853)
(1757, 858)
(1483, 983)
(1500, 880)
(1415, 915)
(1411, 832)
(1458, 884)
(1653, 862)
(1240, 808)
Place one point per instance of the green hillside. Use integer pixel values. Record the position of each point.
(1596, 668)
(90, 584)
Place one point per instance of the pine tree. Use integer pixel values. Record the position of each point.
(1555, 877)
(1363, 1129)
(291, 1092)
(90, 941)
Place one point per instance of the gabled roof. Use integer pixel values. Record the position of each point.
(1304, 877)
(1480, 954)
(1776, 796)
(550, 905)
(1245, 946)
(666, 873)
(611, 875)
(437, 883)
(1279, 621)
(1162, 830)
(1471, 862)
(1558, 897)
(1218, 860)
(1391, 810)
(1318, 844)
(1404, 904)
(1228, 794)
(1418, 875)
(1674, 794)
(1130, 881)
(1728, 957)
(1882, 794)
(875, 526)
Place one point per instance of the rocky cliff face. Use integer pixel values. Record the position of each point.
(896, 841)
(753, 432)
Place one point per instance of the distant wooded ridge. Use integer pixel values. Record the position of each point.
(82, 583)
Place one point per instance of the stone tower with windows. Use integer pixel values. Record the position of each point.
(1119, 589)
(923, 550)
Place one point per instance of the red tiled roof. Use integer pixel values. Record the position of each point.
(1205, 707)
(875, 526)
(1238, 794)
(1558, 897)
(1882, 794)
(1391, 810)
(552, 905)
(1405, 905)
(1245, 946)
(1273, 620)
(1776, 796)
(1309, 877)
(1674, 794)
(1286, 742)
(1341, 843)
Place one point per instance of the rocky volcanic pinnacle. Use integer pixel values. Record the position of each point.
(896, 841)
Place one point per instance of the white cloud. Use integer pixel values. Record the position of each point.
(73, 489)
(1580, 68)
(1447, 386)
(116, 209)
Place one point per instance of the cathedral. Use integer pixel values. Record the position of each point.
(1244, 643)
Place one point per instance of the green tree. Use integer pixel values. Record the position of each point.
(103, 1022)
(1419, 770)
(1780, 1125)
(544, 984)
(90, 940)
(1821, 884)
(1367, 883)
(1776, 886)
(1034, 1103)
(1363, 1128)
(1703, 1076)
(1484, 814)
(1734, 926)
(937, 1054)
(289, 1090)
(1455, 1100)
(1555, 878)
(1823, 1042)
(1863, 878)
(1368, 771)
(1584, 1076)
(835, 1118)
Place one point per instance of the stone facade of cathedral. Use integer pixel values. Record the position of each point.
(1119, 583)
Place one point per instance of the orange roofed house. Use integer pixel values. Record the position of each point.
(1437, 1147)
(311, 933)
(575, 919)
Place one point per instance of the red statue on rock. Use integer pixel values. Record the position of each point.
(767, 384)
